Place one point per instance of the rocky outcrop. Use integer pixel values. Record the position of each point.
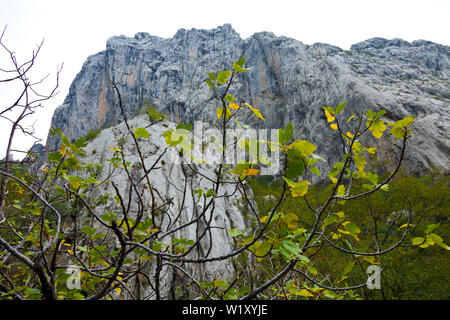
(173, 184)
(288, 80)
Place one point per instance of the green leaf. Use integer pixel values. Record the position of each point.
(370, 114)
(280, 135)
(314, 170)
(210, 83)
(348, 268)
(80, 143)
(212, 76)
(199, 192)
(305, 147)
(380, 114)
(54, 156)
(108, 217)
(417, 241)
(88, 231)
(229, 97)
(238, 65)
(405, 122)
(341, 190)
(142, 133)
(329, 220)
(291, 247)
(340, 107)
(71, 163)
(77, 296)
(352, 228)
(35, 211)
(263, 249)
(288, 132)
(209, 193)
(303, 258)
(372, 177)
(220, 284)
(294, 169)
(397, 132)
(187, 242)
(360, 162)
(299, 188)
(340, 214)
(240, 61)
(235, 232)
(91, 181)
(436, 238)
(431, 227)
(399, 127)
(75, 182)
(222, 76)
(100, 248)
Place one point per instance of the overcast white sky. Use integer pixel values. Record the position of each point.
(74, 30)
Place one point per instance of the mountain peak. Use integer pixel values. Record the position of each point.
(289, 81)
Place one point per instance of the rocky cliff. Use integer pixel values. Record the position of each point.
(182, 213)
(288, 81)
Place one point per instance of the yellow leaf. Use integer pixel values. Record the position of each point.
(341, 190)
(264, 219)
(377, 128)
(349, 119)
(219, 112)
(118, 290)
(250, 172)
(405, 225)
(299, 188)
(350, 135)
(305, 293)
(334, 126)
(357, 147)
(234, 106)
(335, 236)
(70, 252)
(255, 111)
(371, 259)
(329, 116)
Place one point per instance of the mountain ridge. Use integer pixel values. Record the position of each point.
(288, 80)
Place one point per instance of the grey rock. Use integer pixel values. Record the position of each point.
(288, 81)
(170, 180)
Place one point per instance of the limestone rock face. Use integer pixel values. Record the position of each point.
(288, 81)
(173, 183)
